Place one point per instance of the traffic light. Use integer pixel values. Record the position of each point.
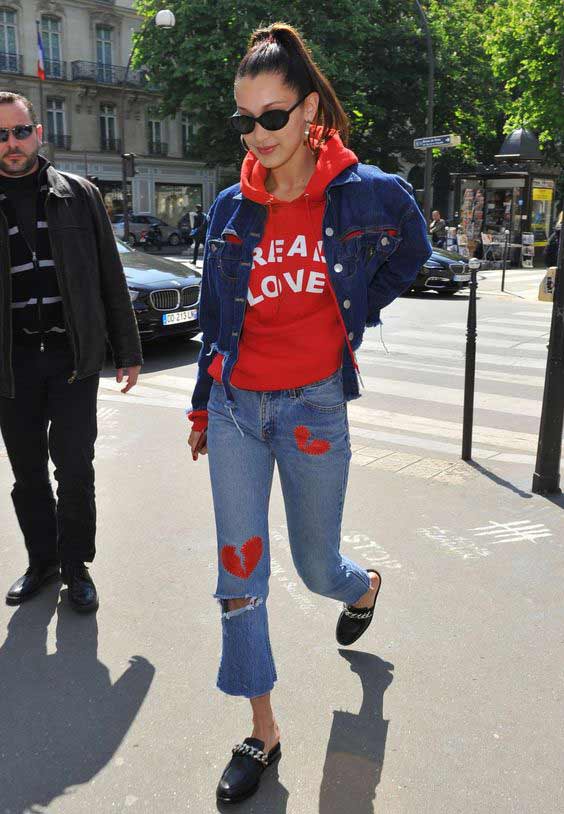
(128, 164)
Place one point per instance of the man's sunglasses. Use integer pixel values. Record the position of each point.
(20, 131)
(270, 120)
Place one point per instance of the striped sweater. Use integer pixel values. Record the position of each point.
(37, 308)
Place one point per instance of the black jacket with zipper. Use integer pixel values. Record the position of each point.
(90, 276)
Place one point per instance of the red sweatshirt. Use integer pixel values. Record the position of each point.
(292, 332)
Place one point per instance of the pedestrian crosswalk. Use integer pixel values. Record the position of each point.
(410, 416)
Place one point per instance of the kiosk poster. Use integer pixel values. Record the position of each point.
(540, 212)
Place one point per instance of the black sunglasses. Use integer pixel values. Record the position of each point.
(270, 120)
(20, 131)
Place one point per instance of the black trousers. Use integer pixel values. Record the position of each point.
(51, 418)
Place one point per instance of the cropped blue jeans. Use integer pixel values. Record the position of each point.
(305, 431)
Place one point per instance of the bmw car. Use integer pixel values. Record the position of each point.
(165, 294)
(444, 272)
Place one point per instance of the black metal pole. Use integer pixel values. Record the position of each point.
(546, 479)
(428, 178)
(470, 374)
(504, 260)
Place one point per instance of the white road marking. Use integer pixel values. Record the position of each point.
(451, 354)
(485, 327)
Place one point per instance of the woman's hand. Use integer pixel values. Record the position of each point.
(198, 443)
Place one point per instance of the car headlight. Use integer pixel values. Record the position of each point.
(133, 293)
(431, 264)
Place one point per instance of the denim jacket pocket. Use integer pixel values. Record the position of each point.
(226, 257)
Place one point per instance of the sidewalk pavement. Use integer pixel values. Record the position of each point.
(448, 705)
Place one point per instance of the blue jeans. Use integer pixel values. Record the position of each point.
(305, 430)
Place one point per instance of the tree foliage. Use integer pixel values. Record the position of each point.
(525, 41)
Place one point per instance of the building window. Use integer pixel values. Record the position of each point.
(156, 129)
(108, 129)
(172, 201)
(104, 53)
(187, 133)
(51, 34)
(10, 61)
(56, 128)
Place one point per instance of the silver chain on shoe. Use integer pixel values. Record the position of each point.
(352, 615)
(251, 751)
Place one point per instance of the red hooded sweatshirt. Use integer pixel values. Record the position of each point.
(292, 331)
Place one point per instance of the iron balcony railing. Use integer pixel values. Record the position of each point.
(110, 145)
(158, 148)
(60, 141)
(11, 63)
(55, 69)
(82, 71)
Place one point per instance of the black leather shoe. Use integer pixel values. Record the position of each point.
(81, 590)
(242, 774)
(32, 581)
(354, 621)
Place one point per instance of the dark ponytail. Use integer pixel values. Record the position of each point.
(280, 49)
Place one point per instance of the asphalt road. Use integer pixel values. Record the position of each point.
(452, 702)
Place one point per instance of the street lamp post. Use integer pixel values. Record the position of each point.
(163, 19)
(428, 180)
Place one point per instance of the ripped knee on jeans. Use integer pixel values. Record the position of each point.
(234, 606)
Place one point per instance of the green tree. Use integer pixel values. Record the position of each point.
(525, 41)
(372, 50)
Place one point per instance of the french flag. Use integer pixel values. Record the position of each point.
(40, 55)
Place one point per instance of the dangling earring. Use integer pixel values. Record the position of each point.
(307, 132)
(244, 144)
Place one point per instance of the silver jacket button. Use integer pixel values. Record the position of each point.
(347, 304)
(351, 335)
(329, 232)
(385, 241)
(338, 268)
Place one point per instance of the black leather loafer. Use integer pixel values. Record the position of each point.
(81, 590)
(243, 773)
(32, 581)
(354, 621)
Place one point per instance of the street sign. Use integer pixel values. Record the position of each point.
(450, 140)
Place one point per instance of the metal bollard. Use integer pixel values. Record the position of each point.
(470, 374)
(504, 260)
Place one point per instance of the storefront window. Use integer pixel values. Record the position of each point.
(541, 208)
(111, 193)
(174, 200)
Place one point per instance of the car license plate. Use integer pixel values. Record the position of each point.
(180, 316)
(461, 278)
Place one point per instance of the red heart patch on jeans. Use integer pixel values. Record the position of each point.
(244, 565)
(318, 446)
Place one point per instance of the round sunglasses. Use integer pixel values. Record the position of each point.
(20, 131)
(270, 120)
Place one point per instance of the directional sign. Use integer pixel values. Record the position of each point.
(450, 140)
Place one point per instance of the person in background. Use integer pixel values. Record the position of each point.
(437, 229)
(199, 230)
(551, 250)
(62, 294)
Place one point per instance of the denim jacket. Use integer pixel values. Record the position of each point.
(374, 239)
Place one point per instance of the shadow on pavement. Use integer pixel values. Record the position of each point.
(500, 481)
(61, 718)
(162, 354)
(355, 753)
(271, 798)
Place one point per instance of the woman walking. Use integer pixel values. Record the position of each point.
(299, 258)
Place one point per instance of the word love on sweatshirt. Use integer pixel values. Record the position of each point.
(297, 281)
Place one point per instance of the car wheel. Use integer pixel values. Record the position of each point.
(174, 239)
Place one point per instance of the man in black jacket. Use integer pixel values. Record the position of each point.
(62, 295)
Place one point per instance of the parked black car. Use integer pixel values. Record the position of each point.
(165, 294)
(444, 272)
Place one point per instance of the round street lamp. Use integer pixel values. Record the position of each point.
(165, 19)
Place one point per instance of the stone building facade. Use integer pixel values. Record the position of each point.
(93, 111)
